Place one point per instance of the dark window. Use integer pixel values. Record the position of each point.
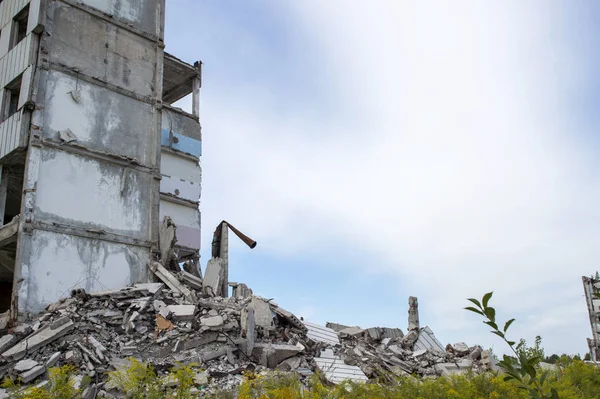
(11, 97)
(20, 26)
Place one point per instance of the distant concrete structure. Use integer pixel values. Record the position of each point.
(591, 287)
(93, 155)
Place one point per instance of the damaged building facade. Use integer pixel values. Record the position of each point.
(93, 155)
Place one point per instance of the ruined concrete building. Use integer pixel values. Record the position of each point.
(93, 155)
(591, 287)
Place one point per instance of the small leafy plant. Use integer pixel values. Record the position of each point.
(522, 368)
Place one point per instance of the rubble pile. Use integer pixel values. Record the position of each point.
(183, 319)
(377, 351)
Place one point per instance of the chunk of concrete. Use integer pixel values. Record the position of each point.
(290, 364)
(351, 332)
(270, 355)
(409, 339)
(212, 321)
(182, 312)
(461, 349)
(201, 378)
(51, 362)
(7, 341)
(4, 319)
(263, 316)
(413, 313)
(32, 374)
(25, 365)
(40, 338)
(250, 330)
(213, 278)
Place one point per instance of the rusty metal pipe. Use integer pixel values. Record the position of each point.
(216, 242)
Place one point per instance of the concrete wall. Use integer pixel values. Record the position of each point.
(54, 263)
(90, 207)
(127, 125)
(142, 14)
(100, 49)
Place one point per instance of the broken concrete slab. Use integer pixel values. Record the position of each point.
(270, 355)
(4, 319)
(213, 278)
(182, 312)
(461, 349)
(263, 317)
(291, 364)
(351, 332)
(25, 365)
(289, 317)
(51, 362)
(321, 334)
(40, 338)
(250, 330)
(32, 374)
(152, 288)
(336, 371)
(336, 327)
(7, 341)
(191, 280)
(167, 238)
(212, 321)
(167, 277)
(427, 340)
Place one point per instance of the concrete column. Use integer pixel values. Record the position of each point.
(224, 255)
(413, 313)
(3, 191)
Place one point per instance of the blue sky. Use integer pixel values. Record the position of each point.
(377, 150)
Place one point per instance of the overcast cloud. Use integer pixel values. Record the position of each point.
(436, 139)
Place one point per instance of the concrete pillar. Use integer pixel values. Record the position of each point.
(413, 313)
(224, 255)
(3, 191)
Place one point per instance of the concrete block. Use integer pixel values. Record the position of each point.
(213, 278)
(201, 378)
(4, 319)
(7, 341)
(461, 349)
(153, 288)
(25, 365)
(41, 338)
(182, 312)
(32, 374)
(351, 332)
(263, 316)
(212, 321)
(270, 355)
(51, 362)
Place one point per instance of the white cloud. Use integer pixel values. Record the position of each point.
(449, 157)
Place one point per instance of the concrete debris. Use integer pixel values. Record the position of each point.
(336, 370)
(25, 365)
(182, 322)
(350, 332)
(240, 290)
(413, 313)
(213, 278)
(321, 334)
(182, 312)
(4, 319)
